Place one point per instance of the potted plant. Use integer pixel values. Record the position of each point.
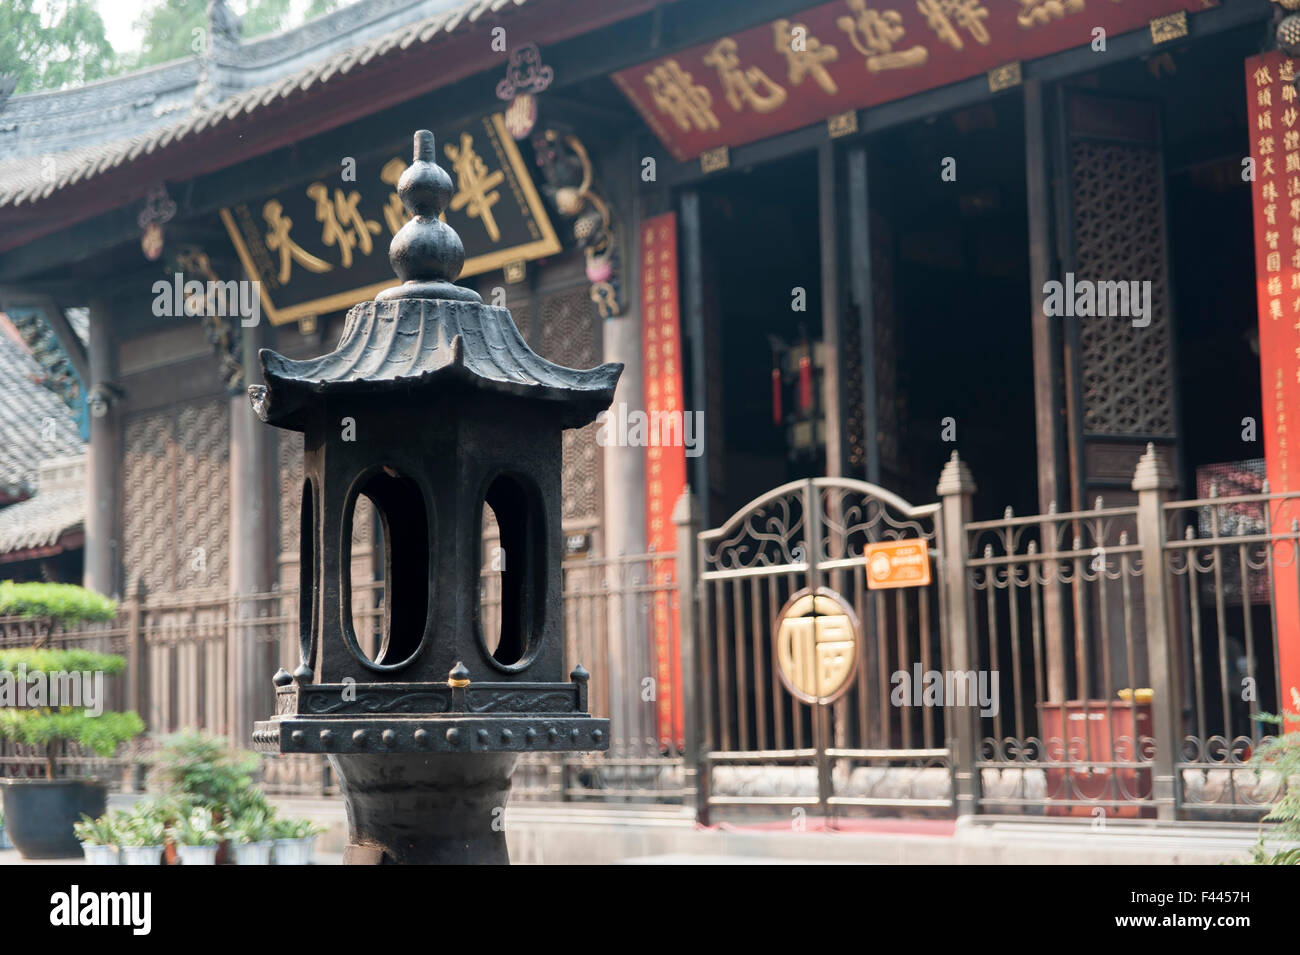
(4, 838)
(203, 770)
(295, 840)
(141, 835)
(98, 839)
(41, 812)
(250, 832)
(197, 836)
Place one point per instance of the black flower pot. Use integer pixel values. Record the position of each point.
(39, 814)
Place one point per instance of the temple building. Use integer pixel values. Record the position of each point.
(827, 240)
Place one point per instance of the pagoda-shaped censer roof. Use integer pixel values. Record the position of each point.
(428, 335)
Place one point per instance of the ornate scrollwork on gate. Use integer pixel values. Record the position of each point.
(852, 519)
(768, 532)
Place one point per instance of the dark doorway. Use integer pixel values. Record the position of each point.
(762, 277)
(961, 306)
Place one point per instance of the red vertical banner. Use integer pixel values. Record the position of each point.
(1273, 108)
(661, 353)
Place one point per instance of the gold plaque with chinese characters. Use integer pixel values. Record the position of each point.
(322, 245)
(816, 645)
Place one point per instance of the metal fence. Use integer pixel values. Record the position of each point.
(1058, 614)
(617, 612)
(1129, 650)
(764, 747)
(1136, 647)
(182, 674)
(1225, 559)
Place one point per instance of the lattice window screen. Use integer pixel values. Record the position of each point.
(290, 454)
(176, 498)
(569, 335)
(1120, 235)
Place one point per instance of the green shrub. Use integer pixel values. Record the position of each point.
(142, 832)
(96, 832)
(291, 828)
(198, 828)
(207, 771)
(1281, 845)
(253, 824)
(65, 603)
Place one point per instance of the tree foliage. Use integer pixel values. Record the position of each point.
(53, 44)
(172, 29)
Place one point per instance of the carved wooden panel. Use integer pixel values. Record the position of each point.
(887, 436)
(176, 497)
(290, 483)
(1119, 225)
(568, 334)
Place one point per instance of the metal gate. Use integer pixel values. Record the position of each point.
(874, 746)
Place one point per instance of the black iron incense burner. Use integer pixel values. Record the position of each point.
(432, 406)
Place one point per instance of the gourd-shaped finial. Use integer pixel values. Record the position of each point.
(426, 253)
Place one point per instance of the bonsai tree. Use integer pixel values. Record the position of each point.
(43, 722)
(55, 604)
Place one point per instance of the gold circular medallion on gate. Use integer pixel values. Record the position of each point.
(816, 645)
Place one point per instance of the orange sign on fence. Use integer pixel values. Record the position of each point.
(902, 563)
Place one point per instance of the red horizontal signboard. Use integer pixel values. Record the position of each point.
(850, 54)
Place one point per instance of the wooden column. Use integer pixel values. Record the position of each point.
(103, 460)
(253, 520)
(1153, 481)
(693, 324)
(860, 286)
(624, 525)
(956, 488)
(828, 202)
(1048, 394)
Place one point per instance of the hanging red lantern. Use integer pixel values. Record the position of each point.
(805, 383)
(776, 396)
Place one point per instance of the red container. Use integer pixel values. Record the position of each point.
(1085, 731)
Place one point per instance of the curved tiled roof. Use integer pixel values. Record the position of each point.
(58, 508)
(157, 107)
(428, 343)
(35, 424)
